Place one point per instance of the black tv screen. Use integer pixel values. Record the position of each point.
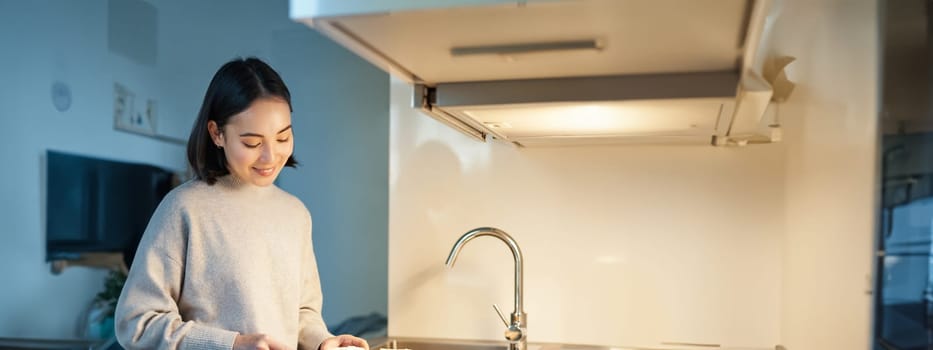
(99, 205)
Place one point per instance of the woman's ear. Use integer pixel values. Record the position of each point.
(216, 135)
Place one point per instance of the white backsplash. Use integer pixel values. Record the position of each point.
(623, 245)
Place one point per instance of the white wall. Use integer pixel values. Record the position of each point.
(197, 37)
(340, 119)
(623, 245)
(831, 171)
(43, 42)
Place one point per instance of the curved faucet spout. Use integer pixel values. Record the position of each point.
(516, 253)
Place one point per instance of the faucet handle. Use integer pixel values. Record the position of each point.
(501, 317)
(513, 333)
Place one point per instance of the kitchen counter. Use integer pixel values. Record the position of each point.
(404, 343)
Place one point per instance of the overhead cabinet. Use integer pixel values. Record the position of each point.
(555, 72)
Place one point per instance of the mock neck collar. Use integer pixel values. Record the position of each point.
(233, 182)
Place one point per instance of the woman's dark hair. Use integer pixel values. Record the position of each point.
(232, 90)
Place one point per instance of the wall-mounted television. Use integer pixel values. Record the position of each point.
(99, 205)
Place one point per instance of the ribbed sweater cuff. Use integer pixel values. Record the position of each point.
(208, 338)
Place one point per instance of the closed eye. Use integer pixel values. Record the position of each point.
(284, 140)
(250, 145)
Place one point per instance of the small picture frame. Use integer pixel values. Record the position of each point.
(127, 117)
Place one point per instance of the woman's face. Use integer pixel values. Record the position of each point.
(257, 141)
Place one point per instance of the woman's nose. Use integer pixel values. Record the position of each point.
(267, 153)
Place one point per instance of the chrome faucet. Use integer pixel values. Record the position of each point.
(516, 332)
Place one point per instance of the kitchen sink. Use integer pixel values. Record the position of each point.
(394, 343)
(437, 344)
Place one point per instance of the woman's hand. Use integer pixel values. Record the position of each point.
(257, 342)
(342, 341)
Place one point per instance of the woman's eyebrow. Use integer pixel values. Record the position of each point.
(258, 135)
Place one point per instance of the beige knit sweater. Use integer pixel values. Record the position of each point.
(218, 260)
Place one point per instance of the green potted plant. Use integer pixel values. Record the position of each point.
(106, 304)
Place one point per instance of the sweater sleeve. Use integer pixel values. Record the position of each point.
(313, 331)
(147, 314)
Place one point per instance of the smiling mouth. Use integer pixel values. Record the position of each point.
(264, 171)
